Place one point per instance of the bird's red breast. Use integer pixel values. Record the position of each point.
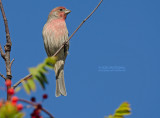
(58, 27)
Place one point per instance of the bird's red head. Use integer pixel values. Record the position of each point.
(59, 13)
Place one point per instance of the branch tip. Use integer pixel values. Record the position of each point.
(12, 62)
(3, 76)
(21, 80)
(2, 53)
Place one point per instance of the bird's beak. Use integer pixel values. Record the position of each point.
(67, 11)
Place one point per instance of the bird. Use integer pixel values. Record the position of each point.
(54, 34)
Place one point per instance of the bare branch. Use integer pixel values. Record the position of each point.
(6, 25)
(7, 48)
(3, 76)
(35, 105)
(29, 76)
(21, 80)
(8, 43)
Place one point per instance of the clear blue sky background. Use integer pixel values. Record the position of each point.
(121, 34)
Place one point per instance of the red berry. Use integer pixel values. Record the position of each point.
(19, 107)
(32, 114)
(14, 99)
(1, 103)
(14, 103)
(39, 106)
(33, 99)
(45, 96)
(36, 112)
(10, 91)
(8, 82)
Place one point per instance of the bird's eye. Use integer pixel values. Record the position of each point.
(60, 9)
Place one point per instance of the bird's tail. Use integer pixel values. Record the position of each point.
(60, 84)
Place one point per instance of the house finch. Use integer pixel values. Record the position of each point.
(55, 33)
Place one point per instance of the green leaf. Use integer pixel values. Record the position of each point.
(110, 116)
(50, 66)
(33, 71)
(118, 116)
(38, 73)
(50, 60)
(26, 87)
(41, 67)
(40, 81)
(17, 89)
(19, 115)
(31, 84)
(8, 110)
(2, 112)
(124, 109)
(43, 77)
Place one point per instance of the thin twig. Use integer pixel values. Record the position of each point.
(29, 75)
(3, 76)
(77, 28)
(21, 80)
(7, 48)
(6, 24)
(12, 62)
(35, 105)
(2, 53)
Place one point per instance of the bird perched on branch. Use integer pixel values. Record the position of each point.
(55, 33)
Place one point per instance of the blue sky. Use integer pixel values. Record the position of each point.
(121, 34)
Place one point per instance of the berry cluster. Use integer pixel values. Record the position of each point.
(8, 84)
(14, 99)
(36, 112)
(14, 102)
